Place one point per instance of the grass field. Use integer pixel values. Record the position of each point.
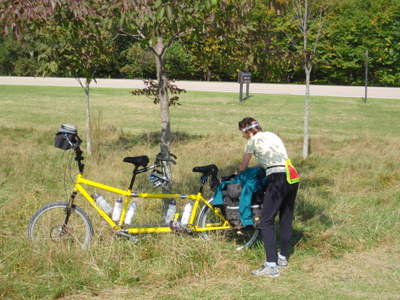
(347, 227)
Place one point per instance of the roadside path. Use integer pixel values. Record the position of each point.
(213, 86)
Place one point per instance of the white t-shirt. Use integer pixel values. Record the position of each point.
(268, 149)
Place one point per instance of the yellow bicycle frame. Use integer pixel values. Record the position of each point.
(196, 198)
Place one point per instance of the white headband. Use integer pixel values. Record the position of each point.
(253, 125)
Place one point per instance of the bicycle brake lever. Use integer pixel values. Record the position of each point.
(159, 157)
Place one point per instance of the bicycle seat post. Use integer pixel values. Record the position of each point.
(203, 180)
(133, 178)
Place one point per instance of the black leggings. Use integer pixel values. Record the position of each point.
(279, 197)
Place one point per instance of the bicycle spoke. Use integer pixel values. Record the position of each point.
(48, 225)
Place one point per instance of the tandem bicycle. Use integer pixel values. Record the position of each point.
(67, 223)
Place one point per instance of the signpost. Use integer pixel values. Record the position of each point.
(244, 77)
(366, 75)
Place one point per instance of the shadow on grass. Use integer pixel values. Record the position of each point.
(126, 141)
(246, 98)
(312, 215)
(306, 211)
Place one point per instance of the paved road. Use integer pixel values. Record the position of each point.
(255, 88)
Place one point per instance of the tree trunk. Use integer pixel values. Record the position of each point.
(306, 142)
(86, 89)
(208, 75)
(164, 113)
(88, 120)
(307, 69)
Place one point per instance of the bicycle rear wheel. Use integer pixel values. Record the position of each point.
(243, 238)
(49, 226)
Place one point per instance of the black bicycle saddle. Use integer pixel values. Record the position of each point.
(138, 161)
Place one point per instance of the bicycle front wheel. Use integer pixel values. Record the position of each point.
(52, 224)
(243, 238)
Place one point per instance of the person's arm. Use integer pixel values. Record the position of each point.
(245, 162)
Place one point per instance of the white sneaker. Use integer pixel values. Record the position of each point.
(282, 260)
(267, 270)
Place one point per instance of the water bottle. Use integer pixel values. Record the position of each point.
(102, 203)
(116, 215)
(130, 213)
(169, 216)
(186, 214)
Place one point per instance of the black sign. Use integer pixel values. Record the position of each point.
(244, 77)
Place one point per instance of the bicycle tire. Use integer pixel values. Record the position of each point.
(243, 239)
(47, 227)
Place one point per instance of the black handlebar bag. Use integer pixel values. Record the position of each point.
(66, 137)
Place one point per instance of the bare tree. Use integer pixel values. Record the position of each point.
(309, 20)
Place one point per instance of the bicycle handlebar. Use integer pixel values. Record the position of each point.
(161, 157)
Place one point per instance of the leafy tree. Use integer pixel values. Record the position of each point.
(72, 34)
(354, 27)
(139, 63)
(18, 57)
(221, 49)
(156, 25)
(180, 63)
(151, 91)
(278, 6)
(274, 57)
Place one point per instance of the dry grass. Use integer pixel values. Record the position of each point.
(346, 241)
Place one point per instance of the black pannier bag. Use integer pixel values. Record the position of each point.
(66, 137)
(256, 206)
(231, 203)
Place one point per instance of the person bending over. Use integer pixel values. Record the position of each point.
(280, 192)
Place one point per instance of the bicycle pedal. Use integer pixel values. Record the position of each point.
(178, 228)
(242, 230)
(128, 236)
(175, 226)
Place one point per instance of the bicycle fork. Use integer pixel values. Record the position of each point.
(69, 207)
